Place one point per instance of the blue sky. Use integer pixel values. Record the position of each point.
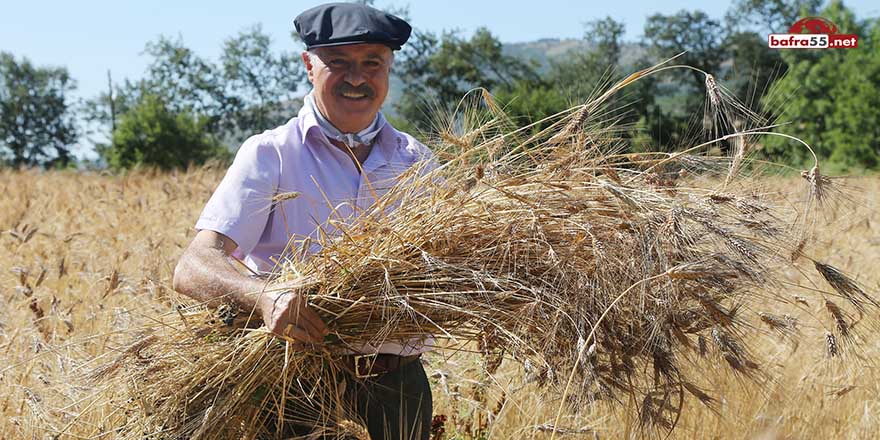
(91, 36)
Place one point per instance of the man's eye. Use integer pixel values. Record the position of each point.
(337, 63)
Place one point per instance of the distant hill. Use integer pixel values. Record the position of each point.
(544, 50)
(551, 49)
(541, 51)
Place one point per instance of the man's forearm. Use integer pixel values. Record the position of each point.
(208, 276)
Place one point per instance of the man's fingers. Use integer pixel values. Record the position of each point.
(314, 321)
(300, 334)
(309, 326)
(295, 344)
(305, 317)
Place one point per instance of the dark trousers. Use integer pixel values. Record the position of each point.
(394, 406)
(397, 405)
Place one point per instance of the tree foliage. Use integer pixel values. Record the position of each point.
(832, 99)
(250, 90)
(735, 55)
(753, 67)
(260, 86)
(440, 70)
(692, 33)
(830, 96)
(185, 80)
(575, 77)
(151, 133)
(769, 16)
(36, 125)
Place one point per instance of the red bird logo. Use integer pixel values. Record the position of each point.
(813, 25)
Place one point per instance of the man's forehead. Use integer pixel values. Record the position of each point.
(356, 50)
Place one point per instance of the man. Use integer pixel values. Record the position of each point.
(339, 153)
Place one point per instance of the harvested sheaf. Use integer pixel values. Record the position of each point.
(606, 273)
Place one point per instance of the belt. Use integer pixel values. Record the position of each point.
(365, 366)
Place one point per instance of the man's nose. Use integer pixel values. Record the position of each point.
(355, 76)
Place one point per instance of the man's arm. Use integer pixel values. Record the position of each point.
(206, 274)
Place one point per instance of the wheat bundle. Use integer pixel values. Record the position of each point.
(601, 272)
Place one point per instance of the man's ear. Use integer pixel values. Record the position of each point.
(307, 60)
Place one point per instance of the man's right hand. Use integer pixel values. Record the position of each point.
(286, 313)
(205, 274)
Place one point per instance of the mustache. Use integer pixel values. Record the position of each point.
(362, 89)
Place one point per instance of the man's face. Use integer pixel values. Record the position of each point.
(350, 82)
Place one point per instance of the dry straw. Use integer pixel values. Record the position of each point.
(605, 272)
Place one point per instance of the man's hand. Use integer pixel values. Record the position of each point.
(205, 274)
(286, 313)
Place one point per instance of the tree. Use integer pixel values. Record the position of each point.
(185, 82)
(442, 69)
(605, 35)
(699, 39)
(573, 78)
(152, 133)
(36, 127)
(692, 32)
(832, 99)
(578, 74)
(769, 16)
(251, 90)
(260, 87)
(101, 113)
(753, 66)
(188, 82)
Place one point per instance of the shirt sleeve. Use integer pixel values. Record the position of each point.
(239, 207)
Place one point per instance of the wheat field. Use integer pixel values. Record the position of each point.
(87, 257)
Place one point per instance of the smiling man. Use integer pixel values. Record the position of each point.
(339, 153)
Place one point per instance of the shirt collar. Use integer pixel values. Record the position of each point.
(309, 122)
(365, 136)
(387, 141)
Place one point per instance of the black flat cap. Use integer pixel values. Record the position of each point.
(335, 24)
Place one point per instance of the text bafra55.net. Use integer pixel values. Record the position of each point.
(813, 41)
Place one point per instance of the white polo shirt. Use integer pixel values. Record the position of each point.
(298, 157)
